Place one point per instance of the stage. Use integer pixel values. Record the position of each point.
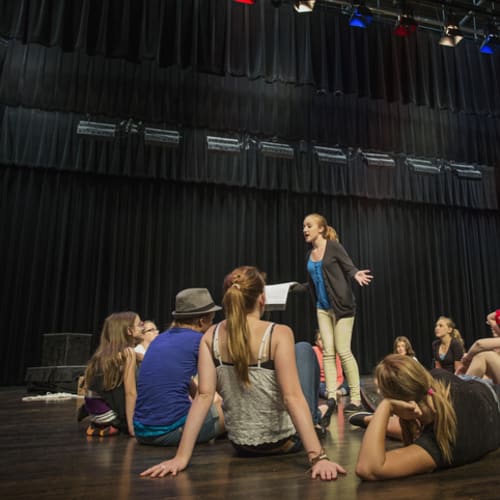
(46, 455)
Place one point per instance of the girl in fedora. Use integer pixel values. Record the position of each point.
(165, 386)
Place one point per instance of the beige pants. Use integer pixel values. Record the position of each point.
(336, 338)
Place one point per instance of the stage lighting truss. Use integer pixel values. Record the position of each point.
(97, 129)
(465, 170)
(277, 150)
(422, 166)
(225, 144)
(378, 159)
(330, 155)
(161, 137)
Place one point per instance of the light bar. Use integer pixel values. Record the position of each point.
(422, 166)
(330, 154)
(465, 170)
(223, 144)
(161, 136)
(378, 159)
(277, 150)
(96, 129)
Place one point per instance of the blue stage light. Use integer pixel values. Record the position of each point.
(361, 17)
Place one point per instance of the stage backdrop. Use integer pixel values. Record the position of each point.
(92, 226)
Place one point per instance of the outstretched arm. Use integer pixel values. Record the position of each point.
(363, 277)
(196, 416)
(374, 462)
(294, 400)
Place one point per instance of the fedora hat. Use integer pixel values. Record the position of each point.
(194, 302)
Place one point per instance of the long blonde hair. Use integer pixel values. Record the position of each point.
(109, 357)
(242, 288)
(329, 233)
(400, 377)
(455, 334)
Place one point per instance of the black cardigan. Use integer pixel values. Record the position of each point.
(338, 269)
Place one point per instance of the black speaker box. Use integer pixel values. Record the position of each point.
(66, 349)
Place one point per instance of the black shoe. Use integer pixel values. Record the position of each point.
(320, 431)
(359, 418)
(352, 408)
(332, 407)
(370, 399)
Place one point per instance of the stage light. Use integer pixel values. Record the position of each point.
(466, 171)
(452, 35)
(96, 129)
(491, 40)
(421, 166)
(223, 144)
(304, 6)
(277, 150)
(248, 2)
(161, 137)
(330, 155)
(361, 17)
(378, 159)
(405, 25)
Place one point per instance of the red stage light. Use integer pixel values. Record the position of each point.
(248, 2)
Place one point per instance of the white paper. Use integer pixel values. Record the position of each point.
(276, 295)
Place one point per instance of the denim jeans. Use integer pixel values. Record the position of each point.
(308, 368)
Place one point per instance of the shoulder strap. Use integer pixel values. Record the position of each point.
(215, 344)
(267, 334)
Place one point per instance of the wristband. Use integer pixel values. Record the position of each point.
(497, 316)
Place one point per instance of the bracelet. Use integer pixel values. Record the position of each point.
(321, 456)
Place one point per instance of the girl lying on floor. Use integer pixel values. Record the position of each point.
(443, 420)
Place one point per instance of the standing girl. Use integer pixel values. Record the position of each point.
(330, 270)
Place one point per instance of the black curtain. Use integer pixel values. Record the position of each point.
(93, 226)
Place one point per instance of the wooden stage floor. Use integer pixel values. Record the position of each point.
(44, 454)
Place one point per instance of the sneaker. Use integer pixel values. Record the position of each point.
(358, 418)
(352, 408)
(341, 392)
(98, 431)
(332, 407)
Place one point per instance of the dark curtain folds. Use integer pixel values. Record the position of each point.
(82, 245)
(49, 139)
(222, 37)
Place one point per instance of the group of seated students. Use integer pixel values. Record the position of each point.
(269, 389)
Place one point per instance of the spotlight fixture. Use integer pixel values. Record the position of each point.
(378, 159)
(248, 2)
(491, 40)
(330, 155)
(277, 150)
(405, 25)
(223, 144)
(96, 129)
(304, 6)
(422, 166)
(361, 16)
(452, 35)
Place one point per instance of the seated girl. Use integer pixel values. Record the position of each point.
(110, 377)
(252, 364)
(443, 420)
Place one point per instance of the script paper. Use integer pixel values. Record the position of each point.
(276, 295)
